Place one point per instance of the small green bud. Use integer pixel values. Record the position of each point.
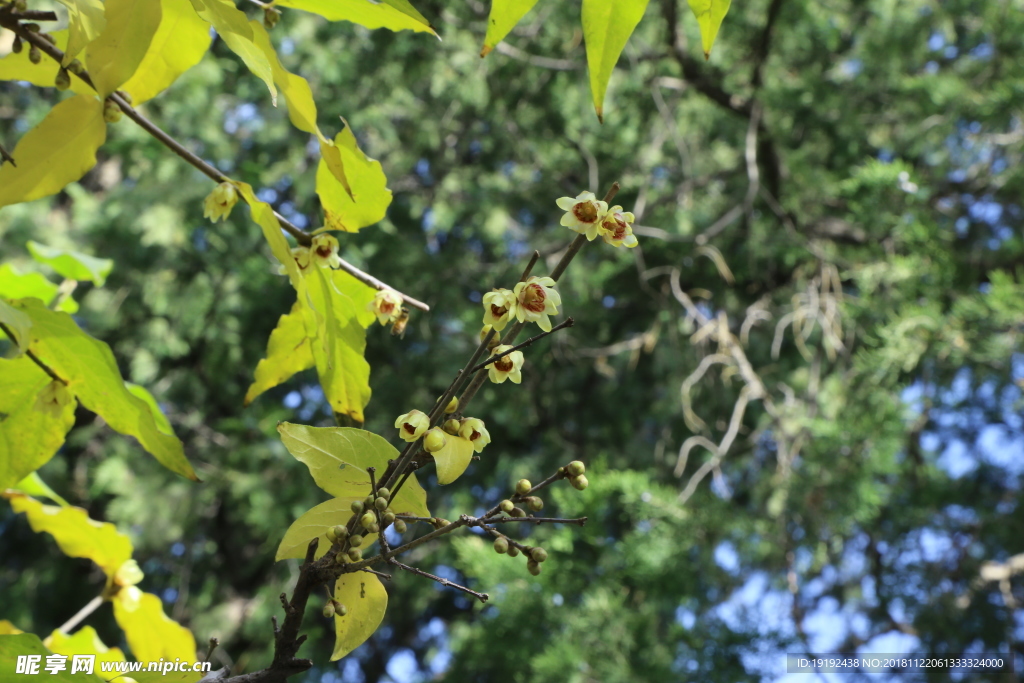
(439, 522)
(34, 55)
(400, 526)
(357, 507)
(501, 545)
(17, 46)
(388, 517)
(367, 519)
(368, 502)
(381, 503)
(125, 95)
(374, 528)
(576, 468)
(34, 28)
(355, 540)
(111, 112)
(63, 80)
(341, 558)
(331, 535)
(434, 440)
(341, 531)
(329, 610)
(452, 406)
(523, 487)
(355, 554)
(513, 551)
(534, 503)
(452, 426)
(533, 567)
(340, 609)
(579, 483)
(271, 15)
(518, 512)
(20, 5)
(538, 554)
(382, 492)
(76, 67)
(506, 505)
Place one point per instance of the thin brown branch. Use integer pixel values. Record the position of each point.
(35, 359)
(579, 521)
(482, 597)
(568, 322)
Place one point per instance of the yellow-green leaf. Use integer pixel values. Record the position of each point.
(75, 533)
(265, 218)
(18, 323)
(710, 14)
(505, 14)
(72, 264)
(365, 600)
(453, 459)
(113, 57)
(8, 629)
(162, 423)
(15, 285)
(34, 430)
(367, 182)
(314, 523)
(233, 26)
(33, 485)
(396, 15)
(86, 20)
(56, 152)
(85, 641)
(21, 644)
(20, 379)
(179, 44)
(16, 66)
(337, 457)
(288, 352)
(89, 368)
(149, 632)
(606, 28)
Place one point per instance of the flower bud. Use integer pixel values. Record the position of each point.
(579, 483)
(501, 545)
(357, 507)
(533, 567)
(400, 526)
(355, 554)
(368, 502)
(518, 512)
(384, 493)
(355, 540)
(439, 522)
(20, 5)
(534, 503)
(111, 112)
(388, 517)
(218, 204)
(434, 440)
(271, 15)
(452, 406)
(340, 609)
(331, 535)
(17, 45)
(452, 427)
(381, 503)
(538, 554)
(513, 551)
(523, 487)
(32, 27)
(367, 519)
(341, 558)
(329, 610)
(341, 532)
(495, 339)
(506, 505)
(576, 468)
(125, 95)
(374, 528)
(76, 67)
(34, 55)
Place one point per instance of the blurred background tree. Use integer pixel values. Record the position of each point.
(829, 290)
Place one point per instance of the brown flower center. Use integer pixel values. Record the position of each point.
(498, 311)
(475, 435)
(408, 428)
(504, 364)
(386, 307)
(585, 212)
(323, 251)
(533, 298)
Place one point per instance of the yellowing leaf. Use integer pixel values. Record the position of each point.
(366, 601)
(265, 218)
(113, 57)
(33, 485)
(162, 423)
(396, 15)
(337, 457)
(288, 352)
(86, 20)
(606, 28)
(89, 368)
(233, 26)
(18, 323)
(20, 379)
(505, 14)
(85, 641)
(34, 431)
(72, 264)
(75, 533)
(14, 646)
(16, 66)
(314, 523)
(15, 285)
(453, 459)
(180, 42)
(56, 152)
(8, 629)
(710, 14)
(149, 632)
(368, 185)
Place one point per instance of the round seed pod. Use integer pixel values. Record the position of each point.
(381, 503)
(576, 468)
(357, 507)
(329, 610)
(513, 551)
(388, 517)
(355, 555)
(383, 492)
(518, 512)
(534, 503)
(579, 483)
(506, 505)
(523, 487)
(538, 554)
(501, 545)
(533, 567)
(355, 540)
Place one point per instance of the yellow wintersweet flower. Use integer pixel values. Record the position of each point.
(617, 229)
(535, 301)
(412, 425)
(325, 251)
(128, 574)
(582, 213)
(218, 204)
(499, 308)
(473, 429)
(386, 305)
(506, 367)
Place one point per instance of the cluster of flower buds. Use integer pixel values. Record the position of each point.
(588, 215)
(416, 424)
(334, 608)
(575, 473)
(535, 556)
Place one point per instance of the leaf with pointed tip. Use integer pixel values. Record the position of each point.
(606, 29)
(315, 522)
(86, 20)
(56, 152)
(15, 285)
(710, 14)
(505, 14)
(85, 641)
(22, 644)
(113, 57)
(33, 485)
(396, 15)
(453, 459)
(368, 187)
(162, 423)
(232, 25)
(365, 600)
(149, 632)
(264, 216)
(179, 43)
(288, 352)
(72, 264)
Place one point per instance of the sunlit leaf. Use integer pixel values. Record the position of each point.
(233, 26)
(179, 44)
(15, 285)
(16, 66)
(288, 352)
(365, 601)
(710, 14)
(85, 641)
(18, 323)
(337, 457)
(396, 15)
(56, 152)
(86, 20)
(113, 57)
(33, 485)
(367, 181)
(606, 28)
(89, 368)
(314, 523)
(72, 264)
(265, 218)
(150, 633)
(75, 533)
(162, 423)
(453, 459)
(14, 646)
(505, 14)
(8, 629)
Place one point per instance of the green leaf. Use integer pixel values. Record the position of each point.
(710, 14)
(14, 285)
(85, 641)
(368, 185)
(180, 42)
(149, 632)
(162, 423)
(288, 352)
(33, 485)
(17, 66)
(505, 14)
(606, 28)
(337, 457)
(396, 15)
(72, 264)
(233, 26)
(14, 646)
(453, 459)
(18, 323)
(366, 601)
(114, 56)
(34, 428)
(314, 523)
(86, 20)
(265, 218)
(75, 533)
(89, 368)
(56, 152)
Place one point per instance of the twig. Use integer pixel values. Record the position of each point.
(482, 597)
(579, 521)
(568, 322)
(35, 359)
(6, 156)
(81, 614)
(214, 642)
(386, 577)
(529, 266)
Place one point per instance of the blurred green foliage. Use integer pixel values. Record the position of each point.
(869, 143)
